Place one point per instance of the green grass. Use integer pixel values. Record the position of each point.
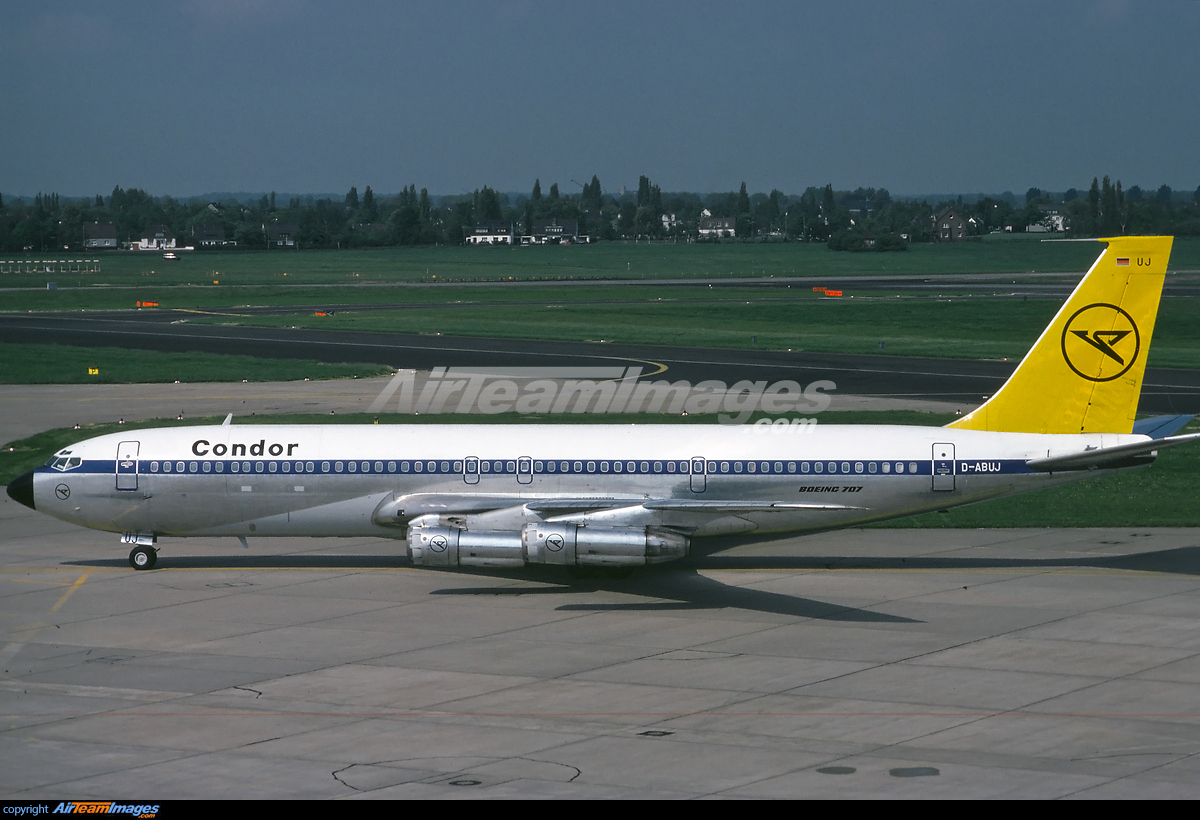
(606, 260)
(957, 327)
(1162, 495)
(61, 364)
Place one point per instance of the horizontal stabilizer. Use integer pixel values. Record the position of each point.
(1160, 426)
(1139, 452)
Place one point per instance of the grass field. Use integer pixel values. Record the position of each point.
(606, 260)
(957, 327)
(60, 364)
(1162, 495)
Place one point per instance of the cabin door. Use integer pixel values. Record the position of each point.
(127, 465)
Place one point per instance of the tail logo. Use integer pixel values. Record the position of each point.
(1101, 342)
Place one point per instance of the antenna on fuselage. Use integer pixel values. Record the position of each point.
(228, 419)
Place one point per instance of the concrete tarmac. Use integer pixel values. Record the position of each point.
(863, 663)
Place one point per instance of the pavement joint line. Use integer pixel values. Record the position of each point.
(443, 713)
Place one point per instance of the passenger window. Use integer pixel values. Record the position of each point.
(352, 467)
(591, 467)
(871, 468)
(579, 466)
(337, 466)
(220, 466)
(273, 467)
(858, 466)
(310, 466)
(819, 467)
(804, 466)
(154, 466)
(724, 466)
(404, 466)
(193, 467)
(845, 466)
(912, 466)
(779, 466)
(207, 466)
(391, 466)
(445, 466)
(737, 466)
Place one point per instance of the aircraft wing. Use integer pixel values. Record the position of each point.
(733, 506)
(1122, 455)
(400, 509)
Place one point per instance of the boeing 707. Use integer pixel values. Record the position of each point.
(628, 495)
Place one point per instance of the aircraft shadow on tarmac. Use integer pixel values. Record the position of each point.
(681, 587)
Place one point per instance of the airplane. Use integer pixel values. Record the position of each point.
(625, 495)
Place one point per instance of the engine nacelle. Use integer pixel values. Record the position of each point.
(453, 547)
(572, 545)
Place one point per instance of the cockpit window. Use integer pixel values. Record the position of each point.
(62, 463)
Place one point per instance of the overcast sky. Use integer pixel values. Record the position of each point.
(184, 98)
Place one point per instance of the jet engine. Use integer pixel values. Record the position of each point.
(543, 543)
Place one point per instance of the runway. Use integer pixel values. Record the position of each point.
(901, 663)
(962, 381)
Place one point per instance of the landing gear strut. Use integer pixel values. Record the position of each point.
(143, 557)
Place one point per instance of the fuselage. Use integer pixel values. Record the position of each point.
(364, 480)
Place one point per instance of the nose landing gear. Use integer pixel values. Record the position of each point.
(143, 557)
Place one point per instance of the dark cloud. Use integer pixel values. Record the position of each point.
(306, 96)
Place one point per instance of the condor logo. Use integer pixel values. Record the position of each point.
(1101, 342)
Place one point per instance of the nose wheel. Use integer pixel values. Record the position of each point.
(143, 557)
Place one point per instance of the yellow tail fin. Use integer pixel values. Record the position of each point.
(1084, 375)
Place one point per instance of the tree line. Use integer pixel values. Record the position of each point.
(852, 219)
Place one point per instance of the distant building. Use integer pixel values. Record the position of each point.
(717, 227)
(281, 234)
(209, 236)
(670, 222)
(491, 232)
(553, 232)
(99, 235)
(155, 238)
(1052, 219)
(949, 226)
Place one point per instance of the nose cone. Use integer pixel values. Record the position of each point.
(21, 489)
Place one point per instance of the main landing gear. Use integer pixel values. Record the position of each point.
(143, 557)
